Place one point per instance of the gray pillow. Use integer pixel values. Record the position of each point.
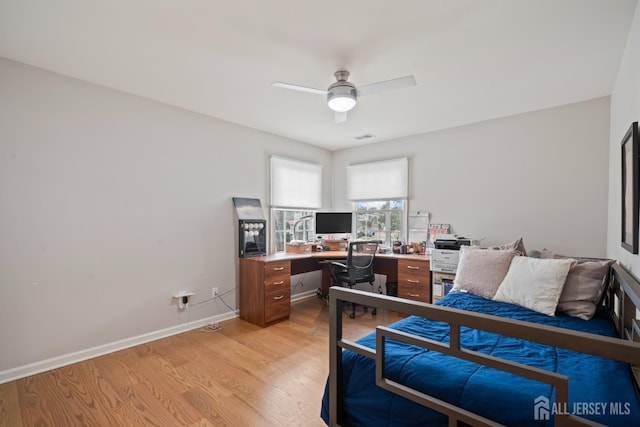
(584, 285)
(481, 271)
(517, 245)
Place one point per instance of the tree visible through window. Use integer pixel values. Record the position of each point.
(381, 220)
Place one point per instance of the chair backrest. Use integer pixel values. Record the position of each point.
(360, 260)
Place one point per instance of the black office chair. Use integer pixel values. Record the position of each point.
(358, 269)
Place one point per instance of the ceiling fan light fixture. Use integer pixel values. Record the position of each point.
(341, 97)
(341, 103)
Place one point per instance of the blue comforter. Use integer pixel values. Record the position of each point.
(599, 389)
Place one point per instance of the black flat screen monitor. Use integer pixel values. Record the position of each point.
(333, 222)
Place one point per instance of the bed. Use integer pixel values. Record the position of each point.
(478, 361)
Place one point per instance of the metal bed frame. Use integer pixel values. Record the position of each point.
(621, 297)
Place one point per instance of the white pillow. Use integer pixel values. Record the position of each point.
(534, 283)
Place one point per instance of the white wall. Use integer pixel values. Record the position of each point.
(625, 109)
(110, 203)
(541, 175)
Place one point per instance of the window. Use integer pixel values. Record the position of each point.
(296, 194)
(385, 180)
(379, 191)
(291, 224)
(380, 220)
(295, 184)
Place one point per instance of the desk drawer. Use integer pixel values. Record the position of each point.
(414, 291)
(277, 284)
(276, 268)
(277, 305)
(414, 279)
(413, 267)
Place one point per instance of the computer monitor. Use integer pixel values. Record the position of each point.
(333, 222)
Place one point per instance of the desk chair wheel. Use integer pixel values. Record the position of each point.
(373, 311)
(352, 314)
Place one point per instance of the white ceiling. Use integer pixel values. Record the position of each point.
(473, 59)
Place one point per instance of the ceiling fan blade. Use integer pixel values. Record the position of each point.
(393, 84)
(340, 117)
(300, 88)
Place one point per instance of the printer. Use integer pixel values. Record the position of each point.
(444, 262)
(445, 256)
(453, 241)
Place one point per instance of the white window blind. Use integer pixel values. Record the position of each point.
(385, 180)
(295, 184)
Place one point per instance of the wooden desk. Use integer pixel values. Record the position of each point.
(265, 282)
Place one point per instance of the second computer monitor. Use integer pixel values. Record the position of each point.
(333, 222)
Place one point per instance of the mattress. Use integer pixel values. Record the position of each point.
(600, 389)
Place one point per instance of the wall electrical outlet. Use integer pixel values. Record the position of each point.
(215, 293)
(183, 299)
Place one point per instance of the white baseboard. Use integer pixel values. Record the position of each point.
(304, 295)
(78, 356)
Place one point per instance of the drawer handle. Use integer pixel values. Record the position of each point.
(413, 295)
(413, 281)
(278, 297)
(278, 268)
(411, 267)
(279, 283)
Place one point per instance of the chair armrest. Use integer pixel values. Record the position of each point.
(338, 264)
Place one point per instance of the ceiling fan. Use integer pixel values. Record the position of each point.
(343, 95)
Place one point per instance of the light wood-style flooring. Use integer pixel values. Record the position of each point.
(242, 375)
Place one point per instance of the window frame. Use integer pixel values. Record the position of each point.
(390, 235)
(305, 227)
(295, 192)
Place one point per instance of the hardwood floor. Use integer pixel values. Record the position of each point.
(242, 375)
